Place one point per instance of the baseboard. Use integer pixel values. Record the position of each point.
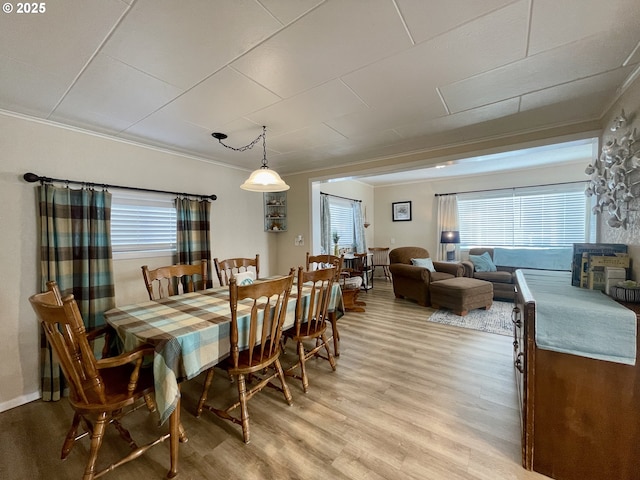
(16, 402)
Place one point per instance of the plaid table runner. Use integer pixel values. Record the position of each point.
(190, 333)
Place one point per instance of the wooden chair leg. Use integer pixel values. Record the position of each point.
(205, 391)
(285, 387)
(96, 442)
(124, 434)
(151, 403)
(332, 360)
(303, 368)
(69, 442)
(244, 412)
(333, 318)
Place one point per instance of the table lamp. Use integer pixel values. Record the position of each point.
(450, 238)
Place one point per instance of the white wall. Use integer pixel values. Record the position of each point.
(49, 150)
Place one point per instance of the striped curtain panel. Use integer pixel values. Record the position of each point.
(75, 251)
(194, 232)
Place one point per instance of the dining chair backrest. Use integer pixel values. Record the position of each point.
(380, 256)
(226, 269)
(359, 265)
(266, 301)
(175, 279)
(315, 262)
(65, 331)
(311, 316)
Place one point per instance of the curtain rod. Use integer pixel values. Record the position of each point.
(32, 178)
(338, 196)
(509, 188)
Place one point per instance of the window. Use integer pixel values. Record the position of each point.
(342, 221)
(142, 225)
(554, 215)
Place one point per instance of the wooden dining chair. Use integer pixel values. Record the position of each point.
(360, 267)
(175, 279)
(314, 262)
(311, 321)
(263, 309)
(99, 390)
(380, 259)
(226, 269)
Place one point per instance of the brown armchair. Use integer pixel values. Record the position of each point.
(411, 281)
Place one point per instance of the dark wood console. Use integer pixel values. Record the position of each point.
(580, 416)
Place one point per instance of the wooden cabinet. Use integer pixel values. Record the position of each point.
(275, 212)
(580, 416)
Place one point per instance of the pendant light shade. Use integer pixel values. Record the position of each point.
(263, 179)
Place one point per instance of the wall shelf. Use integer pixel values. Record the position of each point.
(275, 212)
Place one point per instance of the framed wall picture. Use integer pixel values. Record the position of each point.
(401, 211)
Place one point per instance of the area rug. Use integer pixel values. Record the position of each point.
(495, 320)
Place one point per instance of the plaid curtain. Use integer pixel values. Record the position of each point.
(194, 232)
(75, 251)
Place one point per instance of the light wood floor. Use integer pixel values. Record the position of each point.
(410, 400)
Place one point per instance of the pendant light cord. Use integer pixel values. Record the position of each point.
(263, 135)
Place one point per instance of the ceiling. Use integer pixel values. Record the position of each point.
(336, 82)
(580, 152)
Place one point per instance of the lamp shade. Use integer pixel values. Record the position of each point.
(264, 180)
(450, 236)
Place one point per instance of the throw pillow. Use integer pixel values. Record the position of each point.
(423, 262)
(483, 263)
(245, 278)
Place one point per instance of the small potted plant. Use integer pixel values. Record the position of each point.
(336, 238)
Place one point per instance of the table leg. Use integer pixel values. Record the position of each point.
(175, 428)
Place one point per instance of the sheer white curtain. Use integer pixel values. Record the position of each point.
(360, 243)
(325, 225)
(447, 221)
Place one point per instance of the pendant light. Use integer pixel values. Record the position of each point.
(263, 179)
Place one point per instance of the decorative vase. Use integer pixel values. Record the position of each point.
(335, 249)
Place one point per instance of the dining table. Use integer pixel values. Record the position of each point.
(190, 334)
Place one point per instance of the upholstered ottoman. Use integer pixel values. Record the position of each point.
(461, 294)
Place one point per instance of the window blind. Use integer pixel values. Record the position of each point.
(535, 216)
(143, 223)
(342, 221)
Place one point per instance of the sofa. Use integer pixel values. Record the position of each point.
(412, 281)
(508, 260)
(503, 279)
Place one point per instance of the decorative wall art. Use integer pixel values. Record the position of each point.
(401, 211)
(615, 175)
